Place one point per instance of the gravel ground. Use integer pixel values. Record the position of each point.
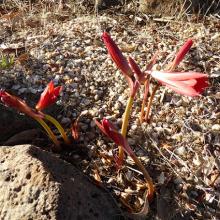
(180, 148)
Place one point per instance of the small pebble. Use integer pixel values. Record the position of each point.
(216, 127)
(181, 151)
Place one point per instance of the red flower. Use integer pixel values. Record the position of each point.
(186, 83)
(116, 55)
(181, 54)
(19, 104)
(130, 69)
(139, 75)
(48, 96)
(109, 130)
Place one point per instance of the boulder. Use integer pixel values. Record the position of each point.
(13, 122)
(35, 184)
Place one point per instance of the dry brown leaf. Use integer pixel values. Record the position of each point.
(128, 48)
(97, 176)
(22, 59)
(11, 15)
(214, 178)
(16, 51)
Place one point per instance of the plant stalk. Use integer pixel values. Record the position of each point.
(59, 128)
(150, 102)
(125, 124)
(146, 90)
(49, 132)
(146, 177)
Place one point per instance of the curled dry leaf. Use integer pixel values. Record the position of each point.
(75, 129)
(75, 126)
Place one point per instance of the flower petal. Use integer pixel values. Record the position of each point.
(178, 76)
(184, 90)
(116, 54)
(48, 96)
(110, 130)
(100, 126)
(190, 84)
(19, 104)
(138, 73)
(181, 54)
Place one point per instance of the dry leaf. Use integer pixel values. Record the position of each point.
(11, 15)
(97, 176)
(128, 48)
(22, 59)
(16, 51)
(75, 129)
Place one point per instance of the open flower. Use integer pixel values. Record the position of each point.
(49, 96)
(185, 83)
(19, 104)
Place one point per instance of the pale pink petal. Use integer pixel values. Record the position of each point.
(187, 90)
(178, 76)
(179, 86)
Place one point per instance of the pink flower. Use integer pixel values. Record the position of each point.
(48, 96)
(19, 105)
(185, 83)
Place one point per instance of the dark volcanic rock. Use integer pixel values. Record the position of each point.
(35, 184)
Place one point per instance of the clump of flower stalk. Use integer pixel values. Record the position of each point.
(134, 77)
(185, 83)
(110, 131)
(48, 97)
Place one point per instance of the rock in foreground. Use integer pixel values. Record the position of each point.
(35, 184)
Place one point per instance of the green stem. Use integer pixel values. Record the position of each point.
(146, 90)
(150, 102)
(59, 127)
(125, 124)
(49, 132)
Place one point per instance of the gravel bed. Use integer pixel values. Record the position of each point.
(180, 148)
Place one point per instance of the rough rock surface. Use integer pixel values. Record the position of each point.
(34, 184)
(12, 123)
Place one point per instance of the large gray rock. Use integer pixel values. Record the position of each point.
(35, 184)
